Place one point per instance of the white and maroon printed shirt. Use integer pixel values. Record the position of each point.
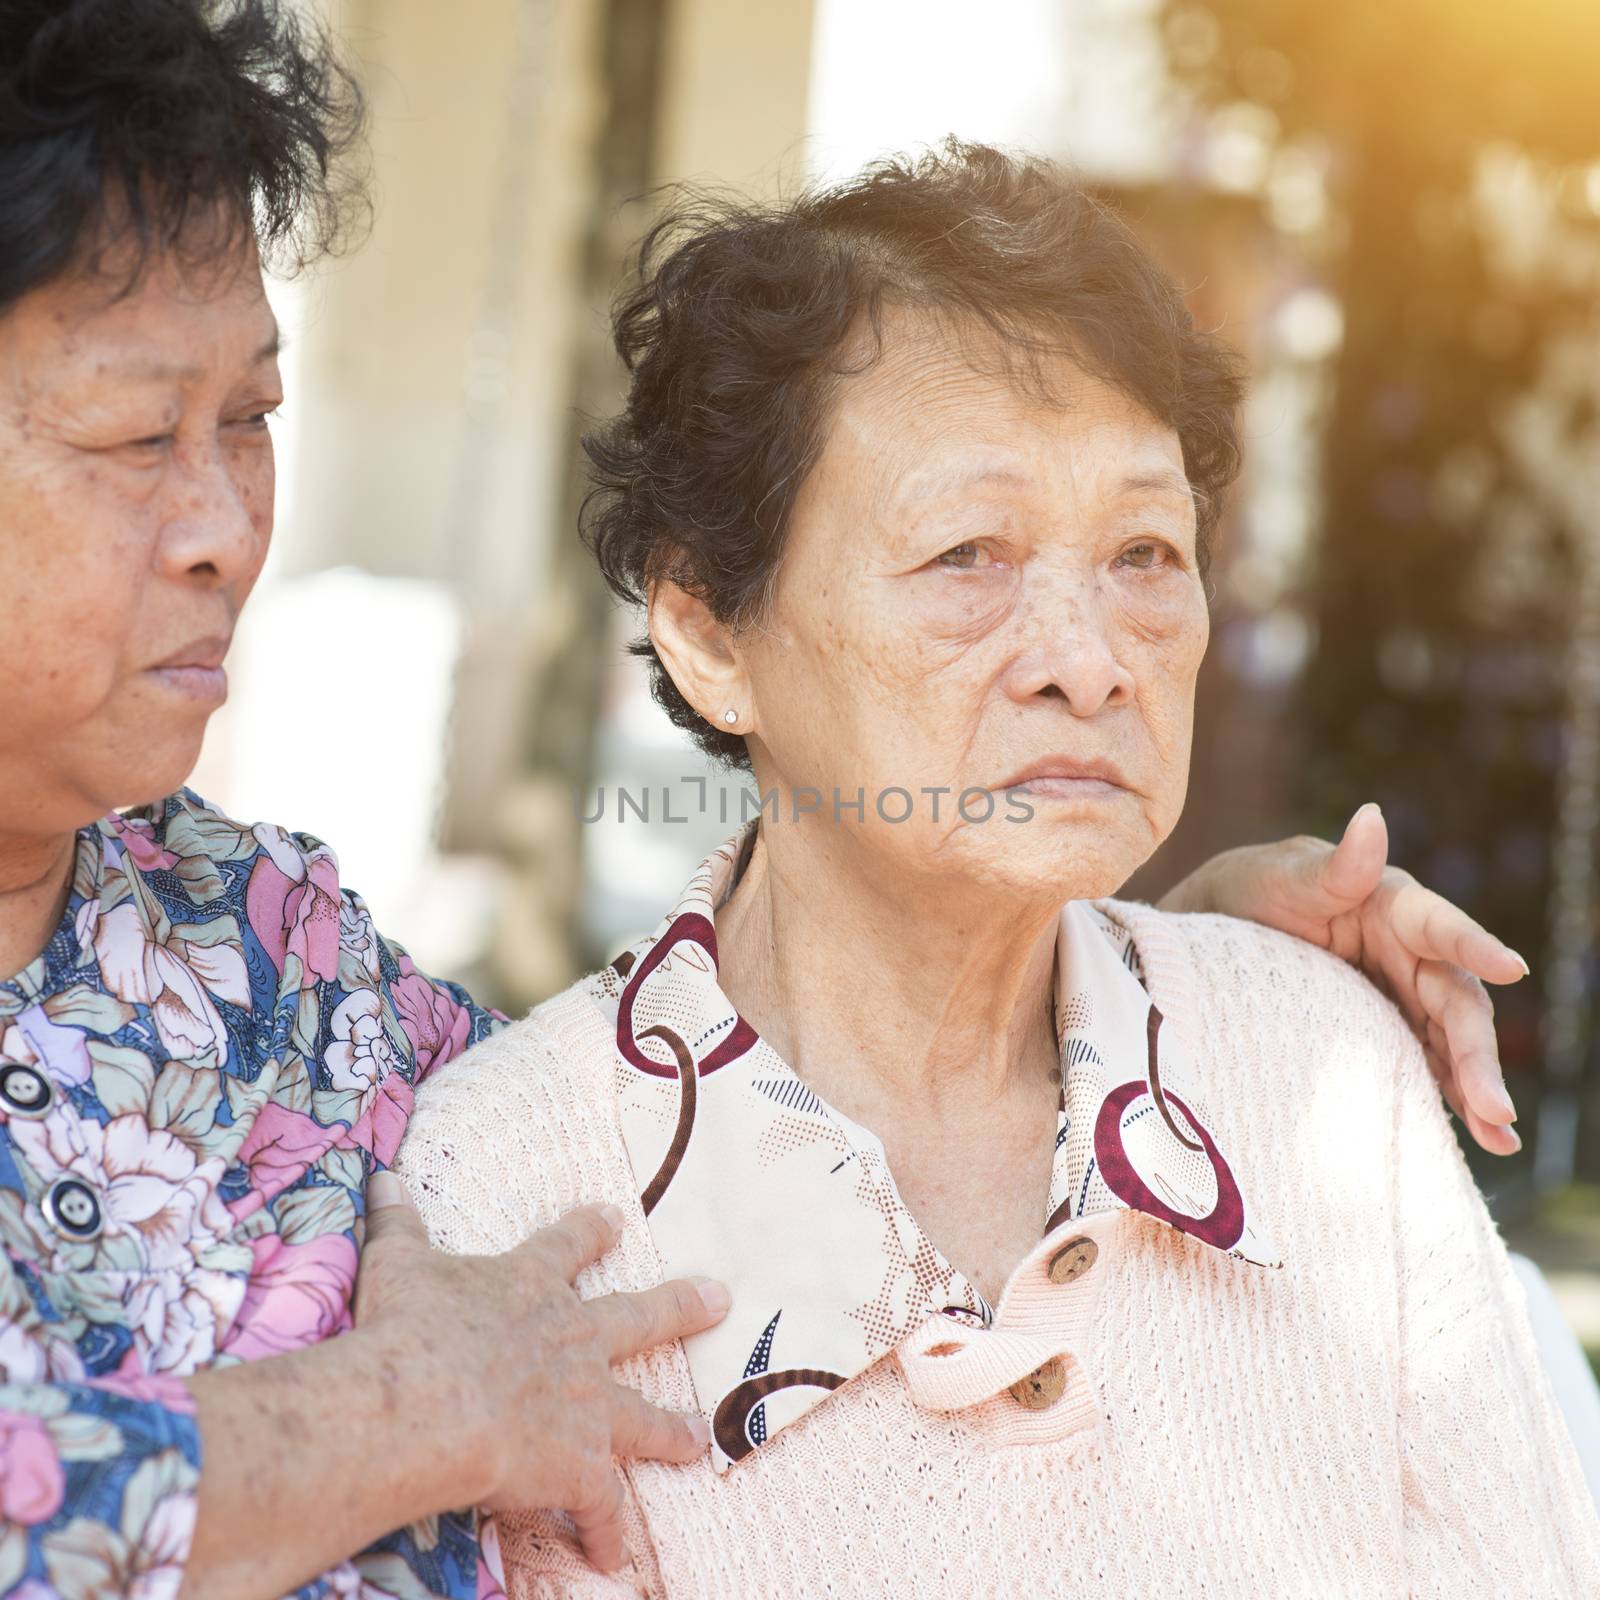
(747, 1175)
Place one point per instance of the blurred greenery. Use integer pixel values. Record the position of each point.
(1459, 144)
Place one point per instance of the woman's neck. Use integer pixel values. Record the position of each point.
(35, 881)
(879, 995)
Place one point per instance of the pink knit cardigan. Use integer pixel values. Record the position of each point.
(1371, 1420)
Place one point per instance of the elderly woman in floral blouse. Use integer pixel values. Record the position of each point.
(231, 1362)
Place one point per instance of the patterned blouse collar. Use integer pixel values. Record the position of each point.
(748, 1176)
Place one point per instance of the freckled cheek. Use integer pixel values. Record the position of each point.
(825, 640)
(1167, 706)
(60, 666)
(935, 633)
(795, 662)
(261, 480)
(73, 552)
(1165, 652)
(253, 473)
(256, 495)
(1168, 608)
(844, 684)
(1187, 640)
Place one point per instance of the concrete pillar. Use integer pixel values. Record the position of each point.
(737, 78)
(437, 359)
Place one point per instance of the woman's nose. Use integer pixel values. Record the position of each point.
(1072, 655)
(219, 520)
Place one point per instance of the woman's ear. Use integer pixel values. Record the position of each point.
(698, 654)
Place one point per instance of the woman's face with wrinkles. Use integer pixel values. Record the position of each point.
(136, 485)
(985, 589)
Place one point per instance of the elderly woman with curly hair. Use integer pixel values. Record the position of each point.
(1075, 1247)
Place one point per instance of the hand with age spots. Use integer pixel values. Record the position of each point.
(467, 1381)
(525, 1365)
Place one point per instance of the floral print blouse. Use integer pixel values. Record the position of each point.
(748, 1176)
(197, 1076)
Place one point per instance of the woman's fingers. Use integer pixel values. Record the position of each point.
(390, 1211)
(1497, 1141)
(598, 1520)
(1351, 871)
(641, 1429)
(580, 1237)
(1469, 1079)
(630, 1323)
(395, 1240)
(1434, 930)
(1458, 1004)
(1435, 959)
(1434, 1049)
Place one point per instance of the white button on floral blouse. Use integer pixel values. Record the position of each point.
(748, 1176)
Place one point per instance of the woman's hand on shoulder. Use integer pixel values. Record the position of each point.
(1430, 956)
(513, 1369)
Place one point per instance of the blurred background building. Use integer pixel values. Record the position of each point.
(1394, 210)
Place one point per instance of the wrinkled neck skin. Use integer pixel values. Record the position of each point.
(886, 997)
(35, 880)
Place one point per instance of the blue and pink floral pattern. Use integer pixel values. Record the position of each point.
(197, 1077)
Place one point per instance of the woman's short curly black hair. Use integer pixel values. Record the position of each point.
(738, 325)
(170, 125)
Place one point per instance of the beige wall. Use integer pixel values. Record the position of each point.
(424, 357)
(441, 352)
(737, 77)
(436, 369)
(436, 361)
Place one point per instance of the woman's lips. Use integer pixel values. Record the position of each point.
(1068, 788)
(195, 671)
(205, 685)
(1069, 777)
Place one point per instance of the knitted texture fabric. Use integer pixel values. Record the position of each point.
(1370, 1420)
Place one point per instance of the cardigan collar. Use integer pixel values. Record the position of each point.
(748, 1176)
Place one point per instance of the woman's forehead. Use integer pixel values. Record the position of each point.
(169, 326)
(927, 422)
(1143, 466)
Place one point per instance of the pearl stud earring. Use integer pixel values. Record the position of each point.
(730, 717)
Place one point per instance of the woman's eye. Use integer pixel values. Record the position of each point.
(1145, 555)
(154, 441)
(959, 556)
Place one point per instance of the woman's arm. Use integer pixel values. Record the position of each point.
(514, 1135)
(467, 1379)
(1495, 1501)
(1428, 956)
